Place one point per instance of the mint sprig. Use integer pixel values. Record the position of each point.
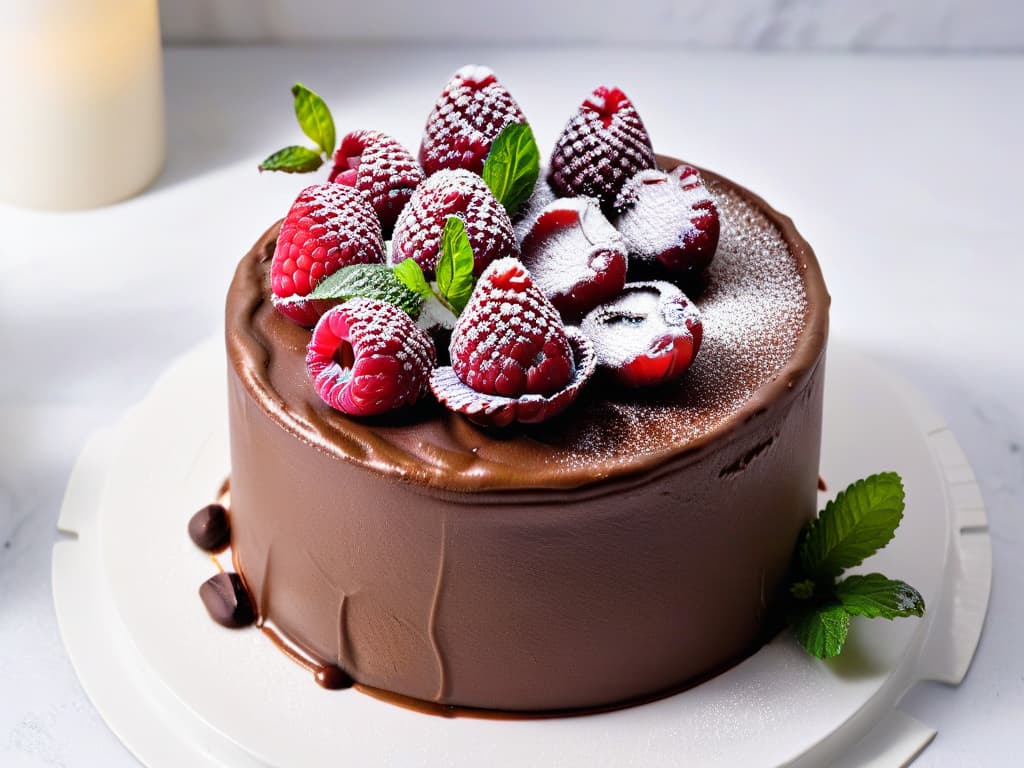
(454, 272)
(293, 160)
(371, 281)
(455, 266)
(316, 122)
(857, 523)
(512, 166)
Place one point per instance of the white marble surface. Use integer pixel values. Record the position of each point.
(904, 173)
(925, 25)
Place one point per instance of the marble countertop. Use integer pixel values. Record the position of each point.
(903, 172)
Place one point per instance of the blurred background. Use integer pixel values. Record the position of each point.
(894, 25)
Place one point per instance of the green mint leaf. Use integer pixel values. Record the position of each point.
(512, 166)
(410, 275)
(822, 632)
(860, 521)
(293, 160)
(875, 595)
(314, 118)
(455, 266)
(372, 281)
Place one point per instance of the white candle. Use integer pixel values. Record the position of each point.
(81, 101)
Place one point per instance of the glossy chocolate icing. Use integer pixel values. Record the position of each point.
(617, 551)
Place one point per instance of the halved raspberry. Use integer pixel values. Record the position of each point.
(379, 167)
(603, 145)
(526, 216)
(329, 226)
(367, 357)
(453, 193)
(576, 257)
(512, 359)
(469, 114)
(669, 219)
(646, 336)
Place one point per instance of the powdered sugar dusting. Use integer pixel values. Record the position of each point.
(753, 307)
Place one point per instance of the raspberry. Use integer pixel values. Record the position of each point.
(512, 359)
(646, 336)
(329, 226)
(453, 193)
(603, 145)
(367, 357)
(382, 169)
(468, 115)
(575, 255)
(669, 220)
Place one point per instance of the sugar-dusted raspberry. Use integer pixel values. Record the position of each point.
(512, 358)
(380, 168)
(603, 144)
(646, 336)
(453, 193)
(469, 114)
(329, 226)
(367, 357)
(576, 257)
(669, 220)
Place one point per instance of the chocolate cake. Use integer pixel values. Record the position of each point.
(631, 544)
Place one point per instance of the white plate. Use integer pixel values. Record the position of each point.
(180, 690)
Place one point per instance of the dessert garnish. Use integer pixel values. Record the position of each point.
(316, 122)
(857, 523)
(453, 193)
(469, 114)
(512, 166)
(367, 357)
(513, 360)
(602, 146)
(668, 220)
(227, 600)
(209, 528)
(379, 167)
(646, 336)
(575, 255)
(329, 226)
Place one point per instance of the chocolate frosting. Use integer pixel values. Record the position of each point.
(622, 549)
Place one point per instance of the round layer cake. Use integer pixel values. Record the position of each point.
(622, 549)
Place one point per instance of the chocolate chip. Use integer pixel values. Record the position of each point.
(333, 678)
(227, 600)
(209, 528)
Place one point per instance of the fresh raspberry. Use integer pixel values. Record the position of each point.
(468, 115)
(367, 357)
(382, 169)
(328, 227)
(512, 359)
(603, 145)
(453, 193)
(669, 219)
(646, 336)
(576, 257)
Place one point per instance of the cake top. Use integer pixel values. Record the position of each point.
(763, 307)
(522, 329)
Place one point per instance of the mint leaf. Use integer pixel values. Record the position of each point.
(512, 166)
(314, 118)
(875, 595)
(455, 267)
(860, 521)
(822, 632)
(372, 281)
(410, 275)
(293, 160)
